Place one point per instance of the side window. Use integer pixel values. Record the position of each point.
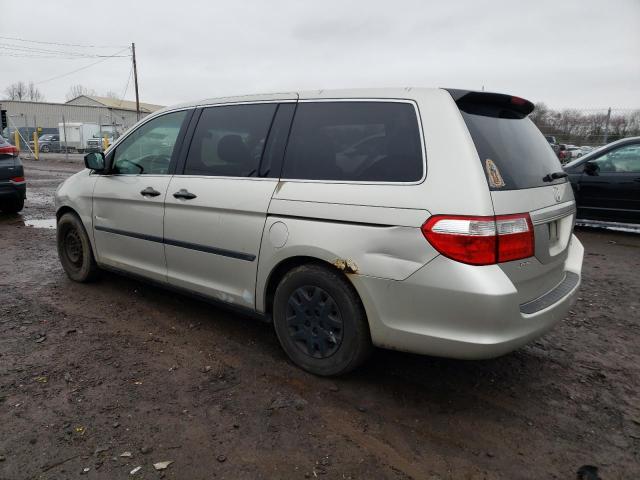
(271, 164)
(148, 150)
(229, 140)
(621, 160)
(354, 141)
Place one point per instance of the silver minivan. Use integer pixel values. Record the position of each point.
(432, 221)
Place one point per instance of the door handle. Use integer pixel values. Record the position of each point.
(149, 192)
(184, 194)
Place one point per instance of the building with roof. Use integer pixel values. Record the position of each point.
(120, 114)
(95, 101)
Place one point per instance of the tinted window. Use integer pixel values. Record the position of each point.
(621, 160)
(355, 141)
(513, 152)
(271, 164)
(229, 140)
(148, 149)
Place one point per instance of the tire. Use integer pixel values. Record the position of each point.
(74, 249)
(12, 206)
(320, 321)
(45, 149)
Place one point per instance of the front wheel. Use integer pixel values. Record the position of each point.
(320, 321)
(74, 249)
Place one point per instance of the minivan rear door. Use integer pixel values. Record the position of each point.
(217, 201)
(524, 176)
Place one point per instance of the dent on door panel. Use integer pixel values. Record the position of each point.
(384, 250)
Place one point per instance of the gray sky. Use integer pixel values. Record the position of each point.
(571, 53)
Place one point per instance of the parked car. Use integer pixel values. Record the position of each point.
(563, 153)
(552, 143)
(49, 143)
(248, 202)
(95, 144)
(574, 151)
(606, 182)
(13, 187)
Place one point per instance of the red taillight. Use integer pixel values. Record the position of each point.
(515, 237)
(518, 101)
(481, 240)
(17, 180)
(9, 150)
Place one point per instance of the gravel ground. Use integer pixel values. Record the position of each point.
(97, 380)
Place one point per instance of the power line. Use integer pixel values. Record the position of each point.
(126, 87)
(60, 44)
(20, 48)
(81, 68)
(58, 57)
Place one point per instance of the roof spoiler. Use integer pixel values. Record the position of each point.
(491, 104)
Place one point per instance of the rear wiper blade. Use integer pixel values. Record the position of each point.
(554, 176)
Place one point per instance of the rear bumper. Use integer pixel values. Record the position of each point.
(450, 309)
(12, 191)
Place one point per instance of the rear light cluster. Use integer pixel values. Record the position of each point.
(9, 150)
(17, 180)
(481, 240)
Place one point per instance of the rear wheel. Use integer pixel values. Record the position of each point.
(12, 206)
(74, 249)
(45, 148)
(320, 321)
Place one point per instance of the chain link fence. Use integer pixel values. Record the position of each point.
(59, 133)
(586, 127)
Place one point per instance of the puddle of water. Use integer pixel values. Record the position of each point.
(46, 223)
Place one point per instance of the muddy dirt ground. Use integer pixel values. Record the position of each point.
(91, 372)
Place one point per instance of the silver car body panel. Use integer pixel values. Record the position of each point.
(76, 194)
(227, 242)
(127, 226)
(229, 215)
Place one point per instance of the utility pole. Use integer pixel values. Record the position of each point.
(135, 80)
(606, 126)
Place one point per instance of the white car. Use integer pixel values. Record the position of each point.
(574, 151)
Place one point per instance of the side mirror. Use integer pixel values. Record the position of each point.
(94, 161)
(591, 168)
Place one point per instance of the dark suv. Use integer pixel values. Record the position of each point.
(49, 143)
(13, 187)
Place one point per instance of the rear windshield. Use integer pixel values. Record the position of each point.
(513, 152)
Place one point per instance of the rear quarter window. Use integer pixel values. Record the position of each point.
(355, 141)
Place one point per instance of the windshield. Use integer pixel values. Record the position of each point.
(513, 152)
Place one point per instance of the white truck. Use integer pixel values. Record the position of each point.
(77, 134)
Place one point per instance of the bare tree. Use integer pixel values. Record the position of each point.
(34, 94)
(112, 94)
(23, 91)
(79, 90)
(16, 91)
(585, 127)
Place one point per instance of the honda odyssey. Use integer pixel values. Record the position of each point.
(431, 221)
